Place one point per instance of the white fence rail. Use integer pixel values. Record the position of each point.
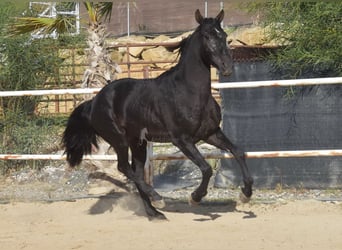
(222, 85)
(278, 83)
(49, 92)
(180, 156)
(250, 84)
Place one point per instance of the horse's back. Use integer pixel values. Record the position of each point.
(130, 104)
(120, 91)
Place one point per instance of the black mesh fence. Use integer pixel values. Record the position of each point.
(282, 118)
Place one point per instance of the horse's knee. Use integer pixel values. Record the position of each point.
(240, 153)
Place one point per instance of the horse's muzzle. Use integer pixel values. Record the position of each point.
(226, 68)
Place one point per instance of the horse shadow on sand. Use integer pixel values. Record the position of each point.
(130, 200)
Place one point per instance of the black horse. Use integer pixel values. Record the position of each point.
(175, 107)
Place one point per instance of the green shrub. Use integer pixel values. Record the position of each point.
(310, 31)
(27, 64)
(36, 135)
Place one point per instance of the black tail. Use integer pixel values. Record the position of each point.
(79, 135)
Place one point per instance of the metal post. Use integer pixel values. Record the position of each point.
(128, 61)
(148, 167)
(77, 14)
(128, 19)
(53, 14)
(145, 71)
(205, 9)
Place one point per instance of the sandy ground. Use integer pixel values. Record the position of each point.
(120, 223)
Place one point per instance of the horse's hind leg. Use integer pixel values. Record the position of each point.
(120, 144)
(137, 177)
(150, 197)
(219, 140)
(123, 165)
(150, 210)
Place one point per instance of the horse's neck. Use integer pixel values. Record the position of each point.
(195, 71)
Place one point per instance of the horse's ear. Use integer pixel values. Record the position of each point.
(198, 16)
(220, 16)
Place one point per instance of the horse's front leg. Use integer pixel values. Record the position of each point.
(219, 140)
(189, 149)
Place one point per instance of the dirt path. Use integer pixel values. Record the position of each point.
(119, 223)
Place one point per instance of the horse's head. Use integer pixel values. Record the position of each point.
(215, 42)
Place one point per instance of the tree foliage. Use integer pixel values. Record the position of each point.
(24, 64)
(310, 31)
(27, 63)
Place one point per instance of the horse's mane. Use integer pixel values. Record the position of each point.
(180, 45)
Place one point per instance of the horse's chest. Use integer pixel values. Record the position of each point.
(194, 112)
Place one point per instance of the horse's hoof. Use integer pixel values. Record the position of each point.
(244, 198)
(159, 204)
(192, 202)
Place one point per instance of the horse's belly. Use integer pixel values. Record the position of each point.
(155, 135)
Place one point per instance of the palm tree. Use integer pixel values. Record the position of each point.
(101, 68)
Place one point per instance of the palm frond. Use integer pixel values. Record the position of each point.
(24, 25)
(105, 10)
(99, 10)
(92, 12)
(62, 24)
